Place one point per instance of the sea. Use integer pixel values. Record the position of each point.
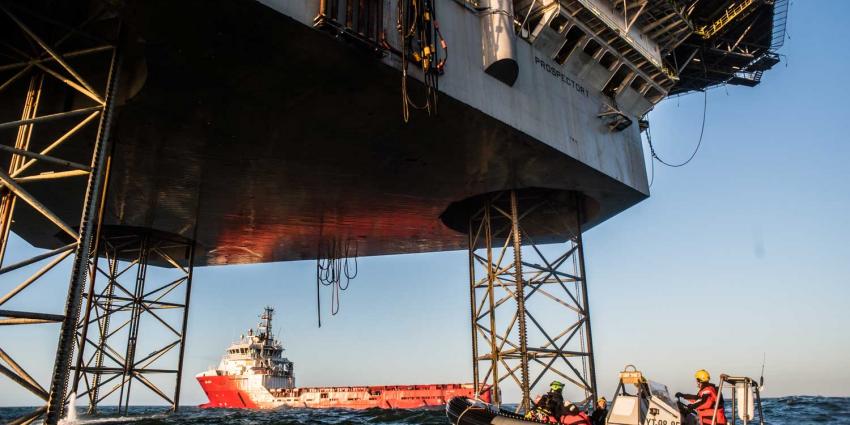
(797, 410)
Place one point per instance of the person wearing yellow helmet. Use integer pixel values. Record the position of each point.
(549, 405)
(703, 402)
(600, 412)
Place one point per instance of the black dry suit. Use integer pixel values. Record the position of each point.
(552, 403)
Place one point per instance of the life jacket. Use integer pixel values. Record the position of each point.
(579, 418)
(705, 410)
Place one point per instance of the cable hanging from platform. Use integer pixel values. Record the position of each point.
(336, 267)
(421, 43)
(699, 142)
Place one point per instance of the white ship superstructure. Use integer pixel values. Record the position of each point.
(252, 365)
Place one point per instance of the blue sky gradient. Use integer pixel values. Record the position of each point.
(741, 253)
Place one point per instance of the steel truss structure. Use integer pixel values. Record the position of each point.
(529, 310)
(114, 310)
(49, 73)
(66, 78)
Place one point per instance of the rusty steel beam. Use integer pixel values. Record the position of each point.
(128, 253)
(507, 269)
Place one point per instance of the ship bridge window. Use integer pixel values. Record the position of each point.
(574, 35)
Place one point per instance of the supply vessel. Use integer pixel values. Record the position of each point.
(253, 374)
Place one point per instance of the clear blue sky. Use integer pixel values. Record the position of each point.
(742, 252)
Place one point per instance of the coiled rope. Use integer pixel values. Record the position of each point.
(336, 267)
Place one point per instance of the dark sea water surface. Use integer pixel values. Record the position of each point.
(778, 411)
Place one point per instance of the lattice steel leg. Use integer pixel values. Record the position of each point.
(516, 237)
(80, 267)
(522, 295)
(54, 84)
(184, 326)
(117, 310)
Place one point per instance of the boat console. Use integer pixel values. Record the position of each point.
(639, 401)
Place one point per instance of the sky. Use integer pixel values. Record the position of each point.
(740, 255)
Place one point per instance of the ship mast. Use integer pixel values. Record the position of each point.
(265, 326)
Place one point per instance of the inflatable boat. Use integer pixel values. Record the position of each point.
(465, 411)
(637, 401)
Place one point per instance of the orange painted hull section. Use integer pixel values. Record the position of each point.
(225, 392)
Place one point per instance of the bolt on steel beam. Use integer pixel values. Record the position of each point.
(529, 305)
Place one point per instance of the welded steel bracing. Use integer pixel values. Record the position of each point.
(529, 308)
(126, 294)
(39, 63)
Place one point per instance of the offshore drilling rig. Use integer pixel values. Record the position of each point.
(177, 134)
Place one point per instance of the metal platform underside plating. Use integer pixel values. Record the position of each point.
(175, 134)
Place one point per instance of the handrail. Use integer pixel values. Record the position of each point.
(708, 31)
(732, 380)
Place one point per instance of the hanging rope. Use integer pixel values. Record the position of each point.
(699, 142)
(336, 267)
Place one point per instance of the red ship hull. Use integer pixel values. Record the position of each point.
(224, 392)
(228, 392)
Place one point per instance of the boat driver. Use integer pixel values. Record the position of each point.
(703, 402)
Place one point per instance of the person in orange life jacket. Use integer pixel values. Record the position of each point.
(574, 416)
(703, 402)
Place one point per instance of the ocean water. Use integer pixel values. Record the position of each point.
(778, 411)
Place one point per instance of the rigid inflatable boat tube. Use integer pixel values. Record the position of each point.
(498, 41)
(463, 411)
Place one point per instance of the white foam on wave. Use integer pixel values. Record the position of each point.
(71, 416)
(115, 419)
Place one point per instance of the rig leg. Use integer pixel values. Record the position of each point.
(529, 304)
(47, 122)
(148, 280)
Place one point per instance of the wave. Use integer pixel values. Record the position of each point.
(794, 410)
